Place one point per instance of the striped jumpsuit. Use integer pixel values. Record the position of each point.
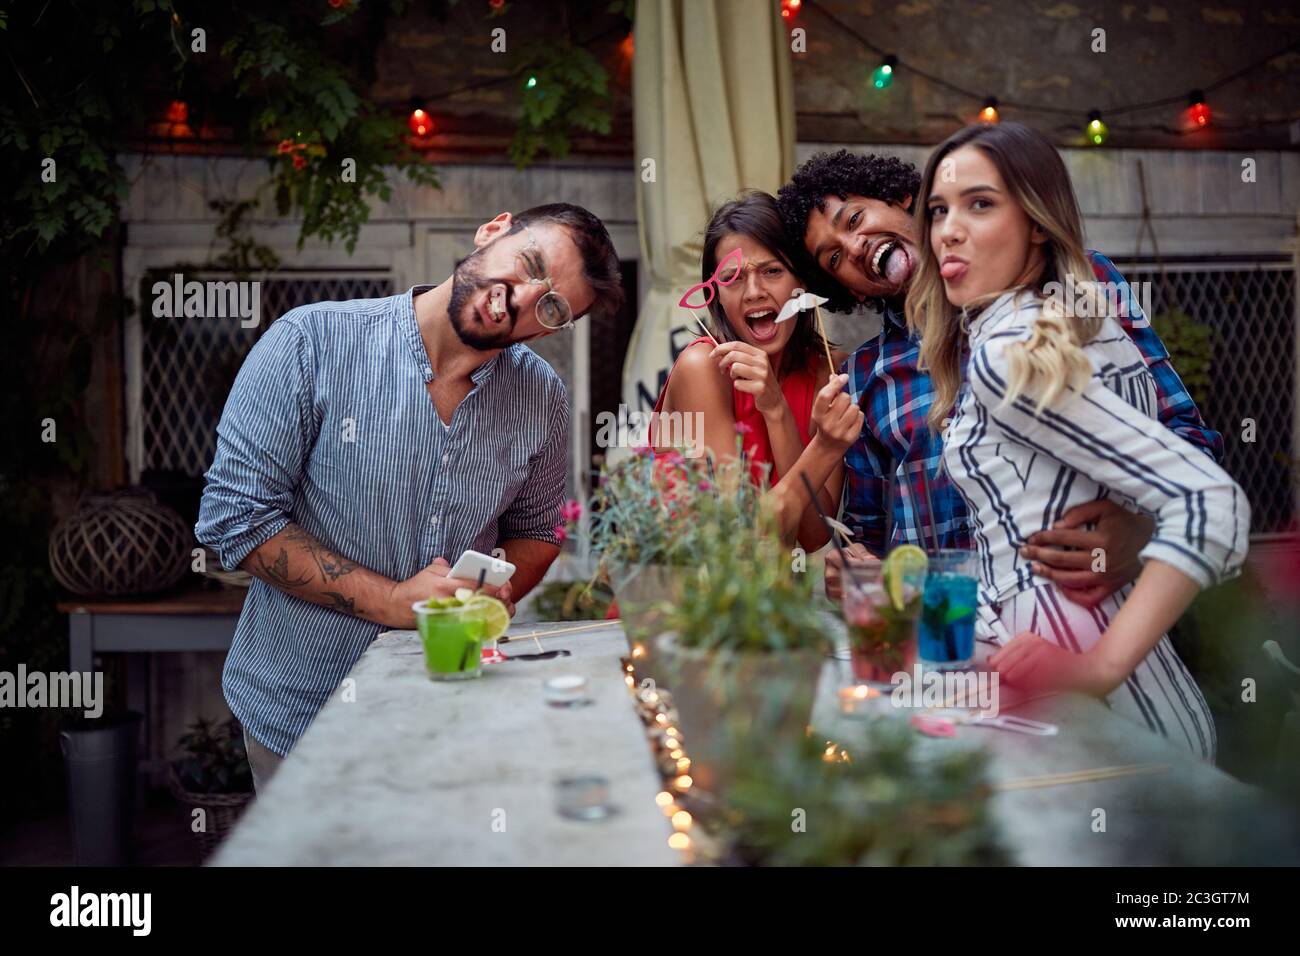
(1021, 470)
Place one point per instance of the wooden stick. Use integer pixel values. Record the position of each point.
(556, 631)
(704, 328)
(1081, 776)
(821, 327)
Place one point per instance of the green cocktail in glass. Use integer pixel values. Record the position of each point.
(452, 634)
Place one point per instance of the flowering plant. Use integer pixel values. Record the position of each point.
(654, 508)
(570, 515)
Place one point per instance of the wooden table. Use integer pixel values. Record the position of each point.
(187, 619)
(402, 770)
(411, 771)
(1186, 813)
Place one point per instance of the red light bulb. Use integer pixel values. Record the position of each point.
(421, 123)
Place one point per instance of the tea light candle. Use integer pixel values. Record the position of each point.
(567, 690)
(852, 697)
(583, 798)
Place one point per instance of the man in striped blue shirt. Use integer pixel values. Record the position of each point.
(365, 445)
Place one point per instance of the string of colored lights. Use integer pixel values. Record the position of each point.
(1198, 110)
(421, 122)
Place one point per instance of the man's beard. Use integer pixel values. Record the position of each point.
(467, 280)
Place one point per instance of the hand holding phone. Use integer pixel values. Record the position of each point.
(496, 571)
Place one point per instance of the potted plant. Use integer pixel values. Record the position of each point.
(211, 774)
(646, 523)
(745, 641)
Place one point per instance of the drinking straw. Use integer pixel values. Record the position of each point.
(889, 507)
(949, 638)
(464, 655)
(704, 328)
(482, 576)
(848, 569)
(929, 510)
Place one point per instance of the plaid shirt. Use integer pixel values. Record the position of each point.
(897, 446)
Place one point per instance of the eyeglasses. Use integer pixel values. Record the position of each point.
(552, 309)
(727, 272)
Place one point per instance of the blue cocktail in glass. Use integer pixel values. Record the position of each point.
(946, 639)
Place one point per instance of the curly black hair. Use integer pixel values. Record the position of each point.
(842, 174)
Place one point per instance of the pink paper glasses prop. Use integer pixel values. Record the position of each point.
(727, 272)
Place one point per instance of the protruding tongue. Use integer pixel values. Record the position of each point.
(497, 303)
(953, 270)
(898, 266)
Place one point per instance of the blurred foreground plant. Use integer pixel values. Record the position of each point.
(887, 805)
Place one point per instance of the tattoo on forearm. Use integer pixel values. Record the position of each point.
(346, 605)
(277, 572)
(332, 566)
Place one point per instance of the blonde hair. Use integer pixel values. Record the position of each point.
(1052, 360)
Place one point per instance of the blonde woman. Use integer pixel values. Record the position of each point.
(1056, 407)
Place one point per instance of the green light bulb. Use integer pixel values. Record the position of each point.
(883, 75)
(1097, 131)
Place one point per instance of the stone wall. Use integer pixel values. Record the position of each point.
(1040, 52)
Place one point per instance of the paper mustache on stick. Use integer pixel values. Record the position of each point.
(801, 303)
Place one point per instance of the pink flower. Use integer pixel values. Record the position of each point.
(705, 486)
(642, 450)
(673, 458)
(571, 511)
(743, 428)
(560, 534)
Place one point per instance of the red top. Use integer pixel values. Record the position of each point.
(799, 388)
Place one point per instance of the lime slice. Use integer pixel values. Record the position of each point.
(905, 561)
(464, 594)
(496, 619)
(957, 613)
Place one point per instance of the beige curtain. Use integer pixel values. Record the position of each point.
(713, 106)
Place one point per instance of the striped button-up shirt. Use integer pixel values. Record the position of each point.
(330, 425)
(897, 446)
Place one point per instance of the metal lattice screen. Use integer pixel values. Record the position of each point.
(1249, 309)
(188, 364)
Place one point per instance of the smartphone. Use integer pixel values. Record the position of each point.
(473, 563)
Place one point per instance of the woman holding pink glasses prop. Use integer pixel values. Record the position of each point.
(764, 378)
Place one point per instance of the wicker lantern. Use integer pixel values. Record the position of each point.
(120, 544)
